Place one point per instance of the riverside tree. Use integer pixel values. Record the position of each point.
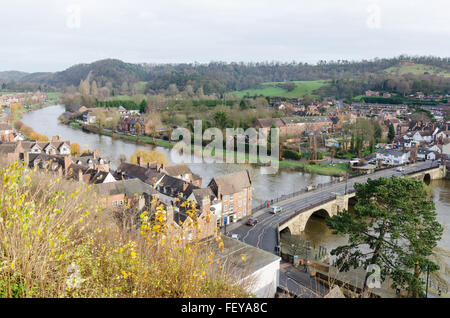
(394, 226)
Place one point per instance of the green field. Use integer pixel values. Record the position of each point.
(271, 89)
(417, 69)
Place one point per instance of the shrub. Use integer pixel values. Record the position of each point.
(56, 240)
(291, 154)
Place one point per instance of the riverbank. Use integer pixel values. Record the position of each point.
(326, 169)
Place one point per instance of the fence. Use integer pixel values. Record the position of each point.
(322, 185)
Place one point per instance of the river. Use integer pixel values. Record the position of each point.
(265, 187)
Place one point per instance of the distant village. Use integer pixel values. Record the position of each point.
(228, 197)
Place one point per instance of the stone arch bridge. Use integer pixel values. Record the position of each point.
(329, 207)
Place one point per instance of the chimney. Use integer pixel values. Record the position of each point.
(80, 175)
(148, 165)
(96, 154)
(185, 186)
(169, 213)
(67, 163)
(26, 158)
(55, 138)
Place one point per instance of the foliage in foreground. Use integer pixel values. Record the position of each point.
(57, 241)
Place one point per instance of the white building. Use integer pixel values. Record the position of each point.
(393, 157)
(255, 268)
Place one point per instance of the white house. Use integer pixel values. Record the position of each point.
(422, 136)
(393, 157)
(424, 154)
(435, 148)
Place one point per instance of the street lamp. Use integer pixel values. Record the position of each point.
(428, 274)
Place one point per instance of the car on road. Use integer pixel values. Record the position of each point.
(235, 236)
(400, 169)
(275, 209)
(252, 222)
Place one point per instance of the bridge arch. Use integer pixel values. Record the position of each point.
(322, 213)
(427, 178)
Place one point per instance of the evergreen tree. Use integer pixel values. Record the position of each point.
(394, 226)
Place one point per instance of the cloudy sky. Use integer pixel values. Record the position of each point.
(46, 35)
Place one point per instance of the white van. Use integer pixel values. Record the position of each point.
(275, 209)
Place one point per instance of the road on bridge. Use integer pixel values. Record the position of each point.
(264, 234)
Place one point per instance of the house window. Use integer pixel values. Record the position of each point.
(225, 208)
(231, 197)
(225, 197)
(121, 202)
(115, 203)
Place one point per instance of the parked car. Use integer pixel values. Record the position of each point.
(252, 222)
(354, 161)
(275, 209)
(400, 169)
(235, 236)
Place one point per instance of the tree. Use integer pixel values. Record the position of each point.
(85, 88)
(94, 89)
(138, 128)
(221, 119)
(75, 149)
(149, 156)
(143, 106)
(391, 133)
(394, 226)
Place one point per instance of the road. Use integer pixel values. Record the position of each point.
(264, 234)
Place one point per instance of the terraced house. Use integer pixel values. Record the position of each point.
(235, 192)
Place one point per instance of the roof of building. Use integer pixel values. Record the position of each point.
(177, 170)
(268, 122)
(391, 152)
(233, 182)
(176, 186)
(4, 126)
(128, 187)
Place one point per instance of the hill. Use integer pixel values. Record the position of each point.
(279, 89)
(417, 69)
(9, 76)
(103, 71)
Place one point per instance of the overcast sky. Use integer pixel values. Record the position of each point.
(46, 35)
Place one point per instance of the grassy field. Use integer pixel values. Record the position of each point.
(272, 90)
(417, 69)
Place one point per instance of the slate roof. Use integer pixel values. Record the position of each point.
(391, 152)
(176, 186)
(128, 187)
(131, 171)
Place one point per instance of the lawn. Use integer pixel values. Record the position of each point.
(272, 90)
(337, 169)
(417, 69)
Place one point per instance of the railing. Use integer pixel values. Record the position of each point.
(322, 185)
(294, 194)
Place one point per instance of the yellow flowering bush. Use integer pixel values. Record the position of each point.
(56, 240)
